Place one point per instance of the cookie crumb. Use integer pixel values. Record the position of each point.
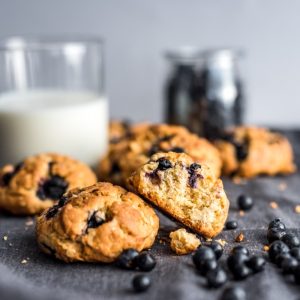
(266, 248)
(5, 238)
(282, 186)
(239, 238)
(238, 180)
(24, 261)
(221, 242)
(29, 222)
(10, 244)
(273, 205)
(241, 213)
(183, 242)
(297, 209)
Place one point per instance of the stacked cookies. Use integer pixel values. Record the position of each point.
(166, 166)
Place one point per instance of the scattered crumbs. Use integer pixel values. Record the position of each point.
(273, 205)
(241, 213)
(238, 180)
(208, 239)
(266, 248)
(221, 242)
(5, 238)
(297, 209)
(239, 238)
(24, 261)
(282, 186)
(29, 222)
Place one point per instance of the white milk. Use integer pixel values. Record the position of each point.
(72, 123)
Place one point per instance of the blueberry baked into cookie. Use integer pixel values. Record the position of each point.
(39, 181)
(250, 151)
(185, 189)
(126, 156)
(96, 224)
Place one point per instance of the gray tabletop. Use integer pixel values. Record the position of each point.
(26, 273)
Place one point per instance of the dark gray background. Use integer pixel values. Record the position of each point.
(138, 32)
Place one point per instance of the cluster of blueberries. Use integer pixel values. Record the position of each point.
(130, 259)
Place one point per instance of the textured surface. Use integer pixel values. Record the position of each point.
(174, 277)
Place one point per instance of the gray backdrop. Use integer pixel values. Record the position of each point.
(138, 32)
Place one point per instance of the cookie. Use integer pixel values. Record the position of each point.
(96, 224)
(123, 159)
(251, 151)
(36, 183)
(183, 242)
(184, 189)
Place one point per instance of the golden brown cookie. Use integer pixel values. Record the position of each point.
(183, 242)
(96, 223)
(36, 183)
(125, 157)
(186, 190)
(250, 151)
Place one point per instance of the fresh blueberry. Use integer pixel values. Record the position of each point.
(234, 261)
(145, 261)
(275, 234)
(245, 202)
(276, 223)
(256, 263)
(291, 240)
(207, 265)
(217, 248)
(141, 283)
(297, 274)
(234, 293)
(240, 249)
(164, 164)
(289, 265)
(276, 248)
(230, 225)
(127, 259)
(280, 257)
(203, 253)
(216, 278)
(241, 272)
(295, 252)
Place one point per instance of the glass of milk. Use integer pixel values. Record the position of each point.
(52, 98)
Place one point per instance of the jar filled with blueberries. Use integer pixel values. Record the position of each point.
(204, 91)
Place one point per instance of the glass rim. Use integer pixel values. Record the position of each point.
(47, 42)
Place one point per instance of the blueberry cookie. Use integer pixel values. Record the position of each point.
(185, 189)
(96, 224)
(183, 242)
(250, 151)
(36, 183)
(123, 159)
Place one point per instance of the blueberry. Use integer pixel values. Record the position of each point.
(297, 274)
(291, 240)
(53, 188)
(7, 177)
(256, 263)
(145, 261)
(141, 283)
(216, 278)
(280, 257)
(231, 225)
(94, 221)
(203, 253)
(241, 272)
(234, 293)
(275, 234)
(52, 211)
(217, 248)
(276, 248)
(163, 164)
(240, 249)
(241, 151)
(207, 265)
(276, 223)
(127, 259)
(245, 202)
(295, 252)
(193, 174)
(177, 150)
(234, 261)
(289, 265)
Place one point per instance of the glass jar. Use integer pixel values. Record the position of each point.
(52, 98)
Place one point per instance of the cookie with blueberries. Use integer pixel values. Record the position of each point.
(185, 189)
(251, 151)
(96, 224)
(39, 181)
(123, 159)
